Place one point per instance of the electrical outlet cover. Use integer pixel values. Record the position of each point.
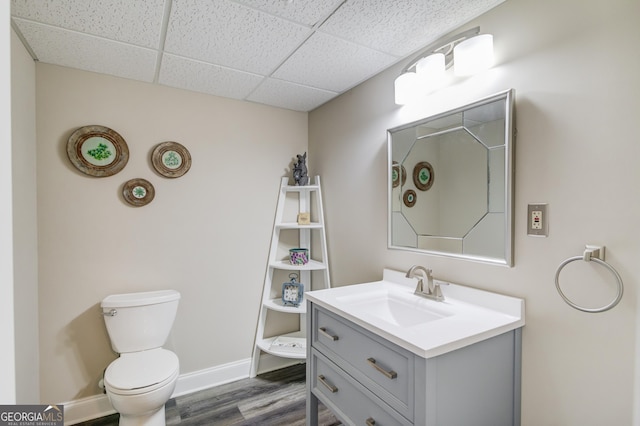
(537, 220)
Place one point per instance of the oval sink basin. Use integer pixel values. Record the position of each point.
(400, 309)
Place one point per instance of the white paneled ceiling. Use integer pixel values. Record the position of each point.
(294, 54)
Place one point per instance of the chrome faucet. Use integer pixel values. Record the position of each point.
(432, 290)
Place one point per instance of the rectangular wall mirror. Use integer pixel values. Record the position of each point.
(451, 182)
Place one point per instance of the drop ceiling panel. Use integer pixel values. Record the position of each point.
(288, 95)
(286, 53)
(401, 27)
(86, 52)
(306, 12)
(329, 63)
(206, 78)
(131, 21)
(231, 35)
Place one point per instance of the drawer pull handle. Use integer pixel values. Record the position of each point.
(324, 332)
(332, 388)
(370, 422)
(390, 374)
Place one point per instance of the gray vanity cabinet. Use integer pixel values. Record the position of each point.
(365, 379)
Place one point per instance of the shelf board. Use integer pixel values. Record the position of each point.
(293, 188)
(277, 305)
(294, 225)
(297, 353)
(313, 265)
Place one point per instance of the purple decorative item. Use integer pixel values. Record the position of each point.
(299, 256)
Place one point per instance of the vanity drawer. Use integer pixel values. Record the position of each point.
(382, 367)
(342, 393)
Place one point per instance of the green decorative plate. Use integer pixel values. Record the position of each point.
(170, 159)
(423, 175)
(97, 151)
(138, 192)
(409, 198)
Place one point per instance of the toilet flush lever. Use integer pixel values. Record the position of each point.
(111, 313)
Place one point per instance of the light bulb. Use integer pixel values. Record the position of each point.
(406, 88)
(473, 55)
(431, 71)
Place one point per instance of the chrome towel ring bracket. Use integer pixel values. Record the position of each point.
(591, 254)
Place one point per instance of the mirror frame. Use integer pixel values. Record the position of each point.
(508, 96)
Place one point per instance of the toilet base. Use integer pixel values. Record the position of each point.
(156, 418)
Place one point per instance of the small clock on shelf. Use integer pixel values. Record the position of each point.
(292, 291)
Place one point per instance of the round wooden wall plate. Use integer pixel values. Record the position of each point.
(409, 198)
(423, 175)
(138, 192)
(398, 174)
(170, 159)
(97, 151)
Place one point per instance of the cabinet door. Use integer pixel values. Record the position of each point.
(347, 398)
(384, 368)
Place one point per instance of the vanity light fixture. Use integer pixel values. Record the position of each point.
(473, 55)
(468, 52)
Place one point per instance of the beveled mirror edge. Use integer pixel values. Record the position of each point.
(509, 98)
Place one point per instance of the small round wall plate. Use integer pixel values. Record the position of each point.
(138, 192)
(398, 174)
(97, 151)
(409, 198)
(423, 175)
(170, 159)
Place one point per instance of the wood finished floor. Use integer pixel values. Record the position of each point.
(271, 399)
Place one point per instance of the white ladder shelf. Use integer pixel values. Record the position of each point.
(309, 200)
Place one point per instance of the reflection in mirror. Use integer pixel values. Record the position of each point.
(450, 182)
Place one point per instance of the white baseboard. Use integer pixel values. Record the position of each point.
(81, 410)
(210, 377)
(93, 407)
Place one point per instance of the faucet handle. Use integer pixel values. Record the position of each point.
(437, 291)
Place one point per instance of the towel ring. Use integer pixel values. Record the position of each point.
(590, 256)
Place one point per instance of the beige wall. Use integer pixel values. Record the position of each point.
(25, 230)
(7, 354)
(574, 66)
(205, 234)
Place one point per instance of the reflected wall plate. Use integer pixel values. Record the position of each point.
(97, 151)
(398, 174)
(170, 159)
(423, 175)
(138, 192)
(409, 198)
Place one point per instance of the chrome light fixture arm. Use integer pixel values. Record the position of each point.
(442, 45)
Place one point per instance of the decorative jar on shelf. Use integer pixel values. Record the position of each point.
(299, 256)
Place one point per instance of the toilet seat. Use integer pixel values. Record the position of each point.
(141, 372)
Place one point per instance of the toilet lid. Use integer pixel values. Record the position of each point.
(141, 370)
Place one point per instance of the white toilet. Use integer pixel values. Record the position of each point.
(142, 379)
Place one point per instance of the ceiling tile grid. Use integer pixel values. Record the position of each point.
(401, 27)
(329, 63)
(288, 95)
(305, 12)
(57, 46)
(228, 34)
(295, 54)
(129, 21)
(206, 78)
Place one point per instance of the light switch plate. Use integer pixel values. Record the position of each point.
(537, 220)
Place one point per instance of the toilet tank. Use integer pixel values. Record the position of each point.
(139, 321)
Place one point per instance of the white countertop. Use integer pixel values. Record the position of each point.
(466, 316)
